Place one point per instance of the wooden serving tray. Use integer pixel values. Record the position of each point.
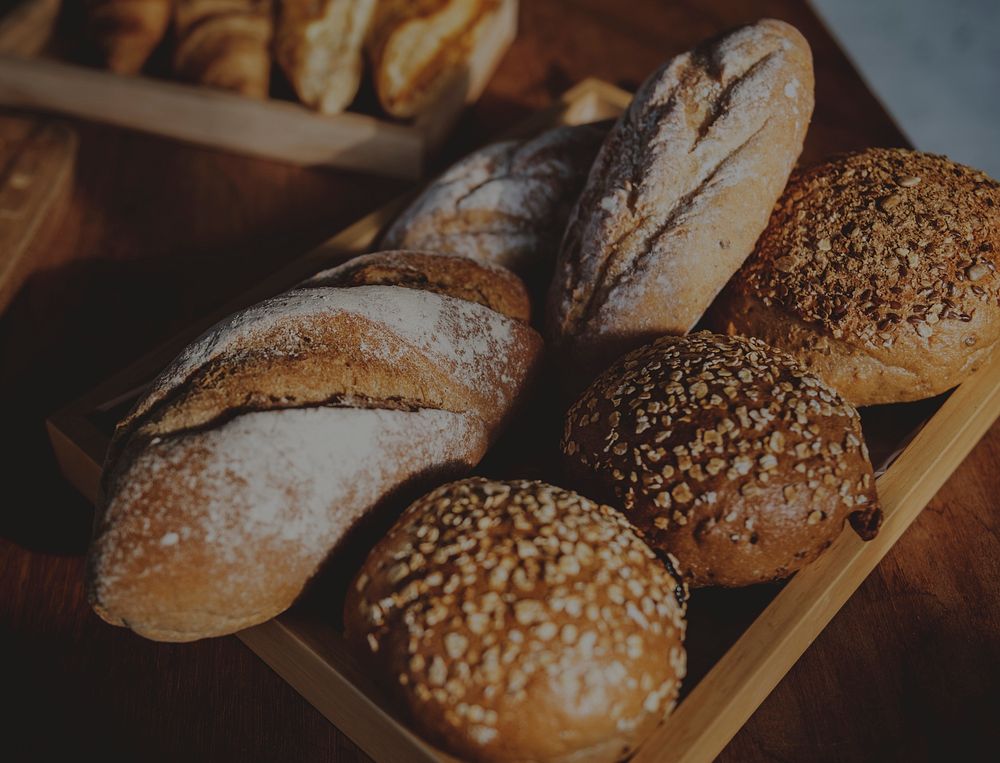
(33, 77)
(740, 642)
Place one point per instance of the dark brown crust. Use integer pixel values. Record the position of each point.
(726, 453)
(878, 271)
(519, 621)
(442, 273)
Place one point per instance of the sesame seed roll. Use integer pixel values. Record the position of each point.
(519, 621)
(878, 270)
(725, 453)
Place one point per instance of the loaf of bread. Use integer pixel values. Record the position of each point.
(517, 621)
(505, 204)
(418, 47)
(268, 438)
(225, 44)
(318, 44)
(726, 453)
(679, 193)
(878, 271)
(127, 32)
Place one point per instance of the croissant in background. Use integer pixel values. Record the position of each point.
(225, 44)
(318, 44)
(417, 47)
(127, 31)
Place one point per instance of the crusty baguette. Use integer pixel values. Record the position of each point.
(225, 44)
(879, 272)
(418, 47)
(127, 31)
(506, 204)
(678, 194)
(318, 44)
(268, 438)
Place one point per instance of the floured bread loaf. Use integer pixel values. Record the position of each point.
(271, 435)
(505, 204)
(679, 193)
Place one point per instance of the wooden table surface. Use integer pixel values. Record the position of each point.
(157, 233)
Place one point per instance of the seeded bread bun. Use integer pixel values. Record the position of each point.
(878, 271)
(678, 194)
(250, 458)
(727, 454)
(518, 621)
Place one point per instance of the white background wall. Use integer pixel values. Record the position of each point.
(935, 64)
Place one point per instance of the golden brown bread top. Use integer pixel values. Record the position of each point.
(706, 439)
(417, 46)
(318, 44)
(880, 243)
(520, 621)
(274, 432)
(454, 275)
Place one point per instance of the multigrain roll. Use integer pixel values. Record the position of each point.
(505, 204)
(518, 621)
(878, 271)
(264, 443)
(727, 454)
(678, 194)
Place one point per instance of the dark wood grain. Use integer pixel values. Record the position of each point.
(157, 234)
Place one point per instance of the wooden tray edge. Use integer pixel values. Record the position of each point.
(268, 129)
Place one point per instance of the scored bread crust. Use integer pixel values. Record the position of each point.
(878, 271)
(726, 453)
(418, 47)
(679, 192)
(514, 620)
(127, 31)
(284, 424)
(225, 44)
(318, 44)
(505, 204)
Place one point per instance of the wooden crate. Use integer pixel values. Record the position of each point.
(273, 128)
(740, 642)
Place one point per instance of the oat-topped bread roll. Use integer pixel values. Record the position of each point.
(878, 271)
(726, 453)
(505, 204)
(418, 47)
(269, 437)
(127, 32)
(678, 194)
(318, 44)
(518, 621)
(225, 44)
